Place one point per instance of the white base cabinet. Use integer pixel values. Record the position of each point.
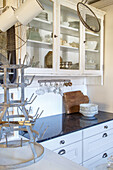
(98, 160)
(72, 152)
(97, 144)
(69, 146)
(89, 147)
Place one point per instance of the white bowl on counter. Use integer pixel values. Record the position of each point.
(89, 109)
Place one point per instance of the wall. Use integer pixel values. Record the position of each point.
(52, 103)
(103, 95)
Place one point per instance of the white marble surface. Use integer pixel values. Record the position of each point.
(53, 161)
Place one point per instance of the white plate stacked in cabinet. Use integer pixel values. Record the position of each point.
(97, 144)
(69, 146)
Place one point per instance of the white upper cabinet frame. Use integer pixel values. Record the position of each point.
(59, 50)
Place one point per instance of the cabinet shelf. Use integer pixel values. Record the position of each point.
(42, 24)
(69, 28)
(90, 50)
(42, 21)
(39, 43)
(91, 33)
(69, 31)
(63, 47)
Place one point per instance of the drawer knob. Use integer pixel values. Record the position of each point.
(106, 127)
(62, 152)
(104, 135)
(62, 141)
(104, 155)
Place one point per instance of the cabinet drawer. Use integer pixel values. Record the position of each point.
(97, 129)
(72, 152)
(97, 144)
(98, 160)
(64, 140)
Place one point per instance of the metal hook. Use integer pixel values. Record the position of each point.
(44, 132)
(31, 97)
(24, 59)
(40, 114)
(9, 57)
(20, 109)
(19, 61)
(18, 79)
(29, 109)
(32, 100)
(36, 113)
(31, 61)
(31, 80)
(17, 110)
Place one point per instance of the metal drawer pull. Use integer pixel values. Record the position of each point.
(104, 155)
(62, 141)
(62, 152)
(104, 135)
(105, 127)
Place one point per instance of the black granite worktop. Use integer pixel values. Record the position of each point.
(63, 124)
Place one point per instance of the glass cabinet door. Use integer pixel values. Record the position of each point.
(40, 37)
(69, 39)
(92, 48)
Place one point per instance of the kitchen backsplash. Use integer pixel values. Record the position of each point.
(51, 103)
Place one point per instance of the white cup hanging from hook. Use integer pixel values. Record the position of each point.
(60, 89)
(51, 88)
(56, 90)
(40, 90)
(46, 87)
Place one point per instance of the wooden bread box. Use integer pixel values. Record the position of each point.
(72, 101)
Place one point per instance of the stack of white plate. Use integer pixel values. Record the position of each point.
(89, 109)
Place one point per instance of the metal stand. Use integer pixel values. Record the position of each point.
(6, 125)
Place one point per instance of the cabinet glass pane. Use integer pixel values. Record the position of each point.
(92, 48)
(69, 39)
(40, 41)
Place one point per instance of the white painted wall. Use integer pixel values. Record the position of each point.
(103, 95)
(51, 103)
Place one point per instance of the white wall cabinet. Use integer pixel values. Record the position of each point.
(89, 147)
(57, 42)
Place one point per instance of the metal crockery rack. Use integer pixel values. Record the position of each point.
(9, 124)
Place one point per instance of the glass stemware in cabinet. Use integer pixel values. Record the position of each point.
(69, 39)
(92, 48)
(40, 39)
